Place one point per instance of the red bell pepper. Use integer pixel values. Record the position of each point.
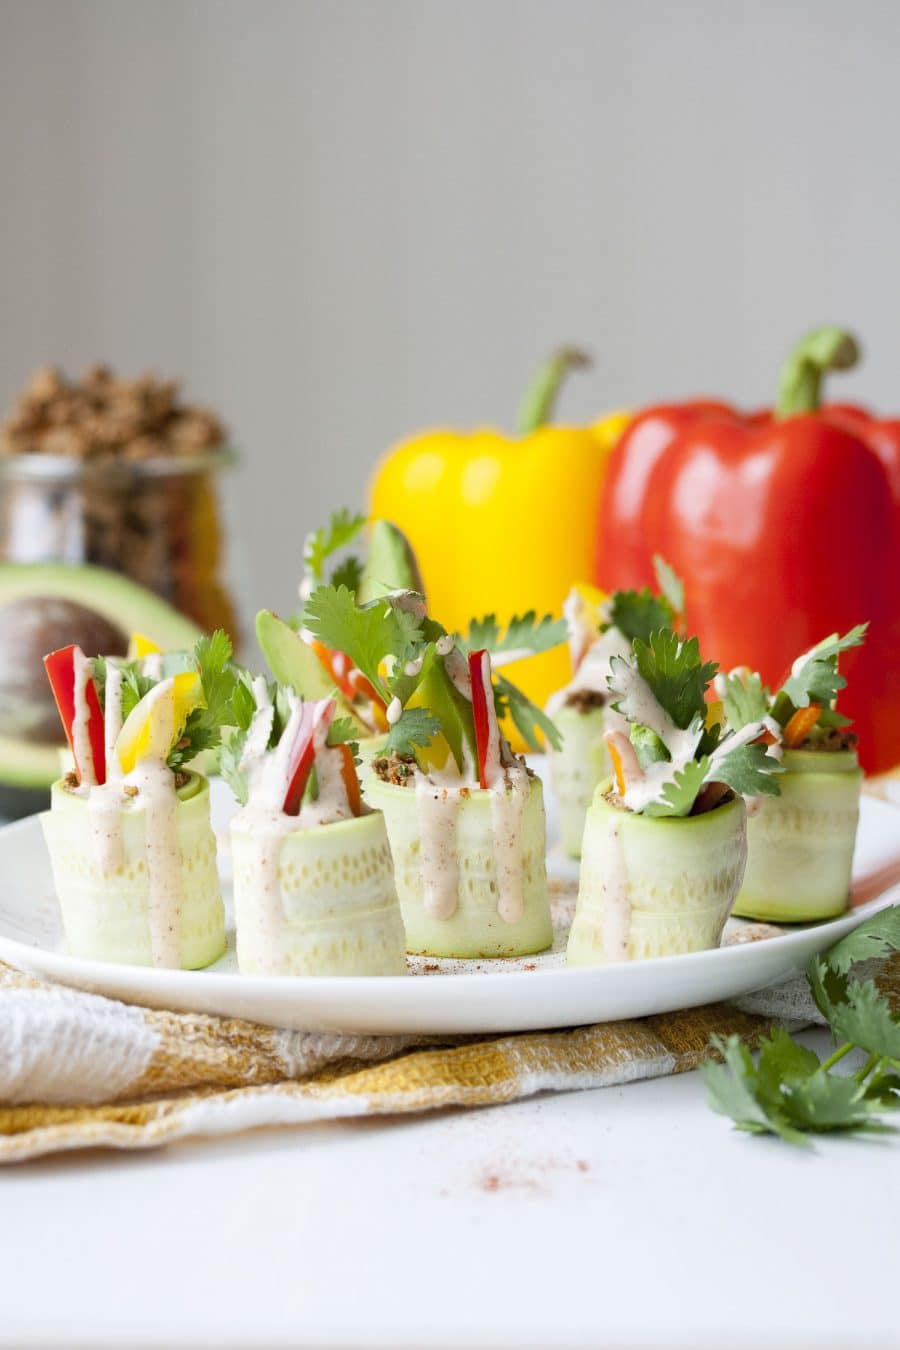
(314, 724)
(60, 667)
(783, 525)
(487, 732)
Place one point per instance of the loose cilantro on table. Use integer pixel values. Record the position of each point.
(788, 1091)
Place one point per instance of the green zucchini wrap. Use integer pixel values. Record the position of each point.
(102, 867)
(655, 885)
(576, 768)
(800, 845)
(470, 869)
(315, 901)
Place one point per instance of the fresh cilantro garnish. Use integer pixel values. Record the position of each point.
(524, 633)
(744, 699)
(680, 790)
(669, 583)
(415, 726)
(671, 671)
(340, 531)
(348, 573)
(637, 614)
(788, 1091)
(343, 731)
(748, 769)
(134, 686)
(203, 729)
(364, 633)
(526, 716)
(818, 680)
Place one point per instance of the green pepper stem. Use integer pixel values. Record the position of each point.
(800, 381)
(540, 400)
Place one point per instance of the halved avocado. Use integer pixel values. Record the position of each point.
(390, 564)
(48, 605)
(294, 663)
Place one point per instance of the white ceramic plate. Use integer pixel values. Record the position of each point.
(447, 996)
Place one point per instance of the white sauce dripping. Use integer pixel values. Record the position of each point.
(81, 740)
(593, 670)
(508, 799)
(394, 711)
(437, 806)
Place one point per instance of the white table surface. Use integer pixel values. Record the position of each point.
(629, 1217)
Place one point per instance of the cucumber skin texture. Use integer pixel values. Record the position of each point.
(106, 917)
(338, 905)
(801, 843)
(475, 929)
(576, 770)
(681, 874)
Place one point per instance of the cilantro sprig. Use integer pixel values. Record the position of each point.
(320, 545)
(789, 1091)
(525, 633)
(818, 680)
(661, 690)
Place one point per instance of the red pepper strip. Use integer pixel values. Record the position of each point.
(60, 667)
(303, 753)
(487, 733)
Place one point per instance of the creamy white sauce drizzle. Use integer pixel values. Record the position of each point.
(444, 645)
(394, 711)
(508, 800)
(437, 807)
(112, 719)
(81, 740)
(457, 668)
(593, 670)
(414, 668)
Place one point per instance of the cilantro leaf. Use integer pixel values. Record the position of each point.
(677, 676)
(878, 936)
(340, 531)
(526, 716)
(818, 679)
(855, 1010)
(415, 726)
(637, 614)
(343, 731)
(364, 633)
(733, 1089)
(524, 633)
(748, 769)
(744, 700)
(680, 790)
(669, 583)
(647, 746)
(203, 729)
(348, 573)
(230, 766)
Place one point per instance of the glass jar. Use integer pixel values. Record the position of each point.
(156, 521)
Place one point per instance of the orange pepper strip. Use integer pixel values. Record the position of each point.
(618, 767)
(800, 725)
(351, 782)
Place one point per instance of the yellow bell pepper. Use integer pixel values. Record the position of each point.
(503, 524)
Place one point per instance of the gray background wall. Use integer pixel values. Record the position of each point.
(340, 221)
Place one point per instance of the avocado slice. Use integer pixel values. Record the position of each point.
(390, 564)
(48, 605)
(437, 692)
(294, 663)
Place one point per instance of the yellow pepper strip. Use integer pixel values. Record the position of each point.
(501, 524)
(139, 646)
(155, 724)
